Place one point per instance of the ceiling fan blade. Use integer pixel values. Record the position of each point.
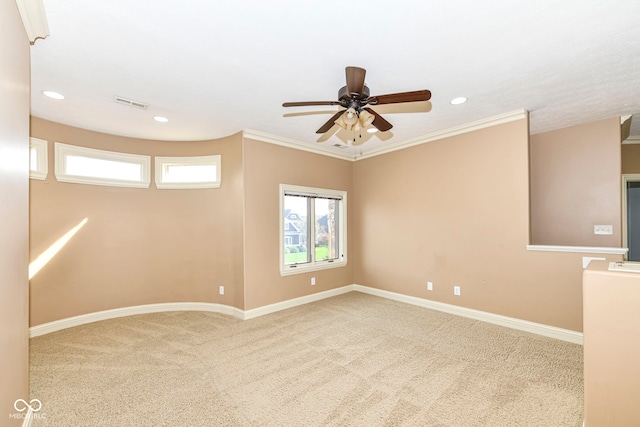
(394, 98)
(329, 124)
(379, 122)
(355, 80)
(309, 103)
(384, 136)
(308, 113)
(405, 107)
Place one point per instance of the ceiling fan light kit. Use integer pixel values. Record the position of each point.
(355, 98)
(366, 118)
(350, 117)
(351, 120)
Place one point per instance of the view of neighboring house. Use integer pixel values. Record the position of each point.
(294, 229)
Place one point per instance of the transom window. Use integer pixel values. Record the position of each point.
(312, 229)
(188, 172)
(99, 167)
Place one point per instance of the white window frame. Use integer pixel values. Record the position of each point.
(290, 269)
(42, 166)
(62, 151)
(162, 162)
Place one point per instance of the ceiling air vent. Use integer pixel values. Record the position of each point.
(340, 145)
(130, 102)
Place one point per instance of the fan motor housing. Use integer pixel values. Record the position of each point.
(343, 95)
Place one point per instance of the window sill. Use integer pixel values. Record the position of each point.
(304, 268)
(38, 175)
(186, 186)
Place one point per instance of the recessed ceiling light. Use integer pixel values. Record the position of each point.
(52, 94)
(160, 119)
(459, 100)
(372, 129)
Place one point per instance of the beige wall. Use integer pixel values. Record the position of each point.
(14, 205)
(631, 158)
(139, 246)
(267, 166)
(143, 246)
(575, 184)
(455, 212)
(611, 347)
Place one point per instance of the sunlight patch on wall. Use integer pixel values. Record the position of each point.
(46, 256)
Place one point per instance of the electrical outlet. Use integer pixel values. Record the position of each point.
(429, 286)
(603, 229)
(221, 290)
(313, 281)
(456, 290)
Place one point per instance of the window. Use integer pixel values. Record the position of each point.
(98, 167)
(312, 229)
(188, 172)
(38, 159)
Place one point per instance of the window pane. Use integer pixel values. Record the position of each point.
(296, 212)
(99, 168)
(189, 173)
(326, 230)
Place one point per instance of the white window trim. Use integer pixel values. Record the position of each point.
(286, 270)
(160, 162)
(62, 151)
(42, 170)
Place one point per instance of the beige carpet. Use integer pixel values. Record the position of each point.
(351, 360)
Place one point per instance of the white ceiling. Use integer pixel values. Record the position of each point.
(217, 67)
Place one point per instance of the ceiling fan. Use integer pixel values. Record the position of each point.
(354, 98)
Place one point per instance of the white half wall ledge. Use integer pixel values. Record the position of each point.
(496, 319)
(632, 140)
(579, 249)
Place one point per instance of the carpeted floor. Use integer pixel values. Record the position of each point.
(351, 360)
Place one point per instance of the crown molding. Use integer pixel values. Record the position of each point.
(447, 133)
(34, 19)
(458, 130)
(291, 143)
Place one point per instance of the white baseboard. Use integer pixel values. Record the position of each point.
(83, 319)
(279, 306)
(497, 319)
(509, 322)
